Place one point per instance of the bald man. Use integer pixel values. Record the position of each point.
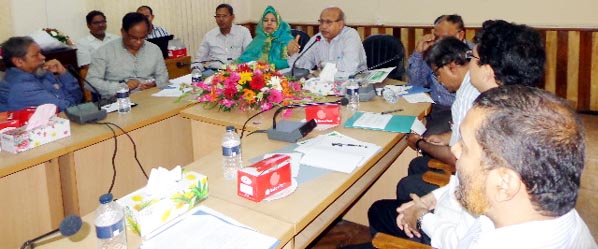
(339, 44)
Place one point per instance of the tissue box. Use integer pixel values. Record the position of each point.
(323, 114)
(19, 140)
(145, 214)
(264, 178)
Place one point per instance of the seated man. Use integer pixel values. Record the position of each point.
(340, 44)
(505, 54)
(438, 121)
(224, 44)
(154, 30)
(520, 162)
(29, 81)
(129, 60)
(96, 23)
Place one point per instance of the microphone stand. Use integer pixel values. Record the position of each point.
(317, 39)
(31, 243)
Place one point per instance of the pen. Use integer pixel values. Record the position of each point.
(351, 145)
(391, 111)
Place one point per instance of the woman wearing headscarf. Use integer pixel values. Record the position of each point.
(273, 36)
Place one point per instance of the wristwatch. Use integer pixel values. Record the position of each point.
(419, 150)
(418, 223)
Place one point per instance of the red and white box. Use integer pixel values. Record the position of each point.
(264, 178)
(324, 114)
(19, 140)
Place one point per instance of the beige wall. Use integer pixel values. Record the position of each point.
(575, 13)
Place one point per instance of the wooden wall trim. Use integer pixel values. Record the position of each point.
(571, 56)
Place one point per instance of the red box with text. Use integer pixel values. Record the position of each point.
(323, 114)
(264, 178)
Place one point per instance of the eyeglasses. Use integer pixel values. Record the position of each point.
(436, 74)
(221, 16)
(98, 22)
(469, 55)
(327, 22)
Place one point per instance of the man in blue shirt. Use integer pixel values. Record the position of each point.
(422, 75)
(31, 81)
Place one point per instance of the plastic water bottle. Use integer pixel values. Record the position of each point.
(352, 94)
(231, 153)
(110, 224)
(195, 76)
(122, 98)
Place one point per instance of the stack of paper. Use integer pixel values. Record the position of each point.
(173, 89)
(337, 152)
(206, 228)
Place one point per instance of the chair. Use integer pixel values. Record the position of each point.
(385, 51)
(385, 241)
(303, 39)
(438, 178)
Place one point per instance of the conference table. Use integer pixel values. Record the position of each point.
(67, 176)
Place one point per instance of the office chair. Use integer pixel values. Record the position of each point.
(438, 178)
(304, 37)
(385, 51)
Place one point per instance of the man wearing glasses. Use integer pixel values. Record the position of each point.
(129, 60)
(96, 23)
(340, 45)
(421, 74)
(224, 44)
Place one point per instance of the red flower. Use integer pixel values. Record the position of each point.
(230, 92)
(257, 82)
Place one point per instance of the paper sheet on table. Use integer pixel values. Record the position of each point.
(206, 228)
(418, 127)
(180, 80)
(336, 152)
(373, 120)
(378, 75)
(418, 98)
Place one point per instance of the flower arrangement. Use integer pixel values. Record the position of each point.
(248, 86)
(56, 34)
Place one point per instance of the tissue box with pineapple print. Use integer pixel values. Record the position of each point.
(146, 214)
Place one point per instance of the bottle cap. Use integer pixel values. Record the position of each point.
(230, 128)
(105, 198)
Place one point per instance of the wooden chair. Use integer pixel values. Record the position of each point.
(86, 93)
(178, 67)
(385, 241)
(438, 178)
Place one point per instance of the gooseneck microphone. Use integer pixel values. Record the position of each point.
(291, 131)
(86, 112)
(69, 226)
(303, 73)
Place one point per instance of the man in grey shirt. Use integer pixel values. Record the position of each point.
(340, 44)
(129, 60)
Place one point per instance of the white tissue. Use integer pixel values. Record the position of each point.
(328, 72)
(41, 116)
(163, 183)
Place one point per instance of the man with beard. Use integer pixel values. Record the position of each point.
(519, 163)
(223, 44)
(29, 81)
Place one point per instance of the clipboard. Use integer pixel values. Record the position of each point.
(398, 123)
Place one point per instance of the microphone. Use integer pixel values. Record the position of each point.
(86, 112)
(302, 72)
(69, 226)
(291, 131)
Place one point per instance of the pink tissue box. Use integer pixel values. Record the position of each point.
(19, 140)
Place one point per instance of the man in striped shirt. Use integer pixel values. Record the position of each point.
(154, 31)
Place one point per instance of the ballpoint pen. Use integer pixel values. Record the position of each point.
(350, 145)
(391, 111)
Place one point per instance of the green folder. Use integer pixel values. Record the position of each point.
(398, 123)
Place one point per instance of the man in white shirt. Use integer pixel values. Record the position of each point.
(224, 44)
(96, 23)
(520, 160)
(339, 44)
(154, 30)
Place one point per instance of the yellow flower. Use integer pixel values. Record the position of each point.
(137, 198)
(165, 215)
(249, 95)
(190, 177)
(245, 76)
(189, 195)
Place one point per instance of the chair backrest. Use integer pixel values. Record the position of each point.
(303, 39)
(385, 51)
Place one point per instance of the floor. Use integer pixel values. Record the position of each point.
(344, 233)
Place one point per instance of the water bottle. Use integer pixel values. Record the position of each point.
(122, 98)
(390, 96)
(231, 153)
(352, 94)
(110, 224)
(195, 76)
